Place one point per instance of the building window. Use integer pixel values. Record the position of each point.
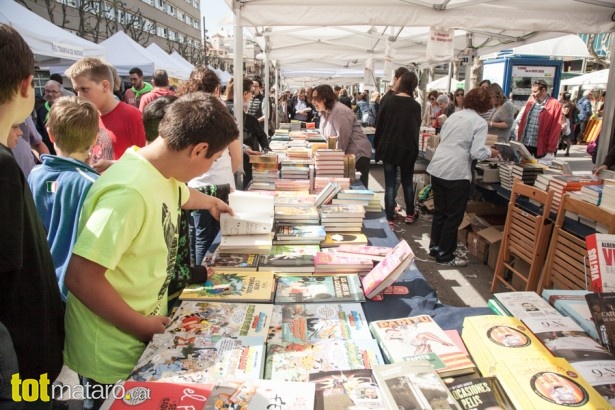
(161, 32)
(150, 2)
(71, 3)
(159, 4)
(171, 35)
(170, 10)
(180, 15)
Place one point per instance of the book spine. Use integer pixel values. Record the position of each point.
(591, 243)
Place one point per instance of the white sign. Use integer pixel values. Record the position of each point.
(368, 75)
(533, 71)
(440, 44)
(388, 63)
(68, 51)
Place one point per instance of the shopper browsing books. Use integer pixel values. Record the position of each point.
(462, 139)
(339, 120)
(127, 241)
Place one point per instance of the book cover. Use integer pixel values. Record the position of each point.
(413, 385)
(193, 358)
(233, 287)
(572, 303)
(420, 338)
(293, 232)
(388, 270)
(601, 256)
(300, 322)
(482, 393)
(334, 239)
(292, 361)
(261, 394)
(347, 390)
(526, 305)
(159, 396)
(289, 258)
(222, 319)
(602, 308)
(327, 193)
(232, 261)
(543, 382)
(376, 253)
(322, 288)
(259, 244)
(347, 210)
(332, 262)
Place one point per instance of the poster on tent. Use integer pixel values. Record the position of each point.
(440, 44)
(368, 75)
(522, 78)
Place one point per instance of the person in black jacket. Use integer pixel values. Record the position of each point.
(396, 142)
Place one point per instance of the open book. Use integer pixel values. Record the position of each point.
(253, 214)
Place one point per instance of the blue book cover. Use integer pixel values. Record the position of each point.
(572, 303)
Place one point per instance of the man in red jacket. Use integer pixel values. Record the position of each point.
(160, 81)
(540, 125)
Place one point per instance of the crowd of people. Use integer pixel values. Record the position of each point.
(102, 235)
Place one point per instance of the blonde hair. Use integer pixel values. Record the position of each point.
(375, 96)
(73, 122)
(94, 68)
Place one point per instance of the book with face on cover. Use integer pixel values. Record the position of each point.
(388, 270)
(330, 288)
(244, 286)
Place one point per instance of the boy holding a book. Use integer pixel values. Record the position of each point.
(126, 246)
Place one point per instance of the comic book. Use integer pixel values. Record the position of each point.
(347, 390)
(332, 288)
(243, 286)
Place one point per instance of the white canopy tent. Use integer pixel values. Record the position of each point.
(568, 46)
(595, 79)
(124, 54)
(182, 61)
(441, 84)
(50, 44)
(165, 61)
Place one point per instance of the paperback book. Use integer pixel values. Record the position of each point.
(160, 396)
(308, 322)
(289, 259)
(413, 385)
(601, 257)
(388, 270)
(332, 263)
(376, 253)
(332, 288)
(421, 338)
(482, 393)
(602, 308)
(233, 287)
(572, 303)
(347, 390)
(526, 305)
(291, 361)
(232, 262)
(334, 239)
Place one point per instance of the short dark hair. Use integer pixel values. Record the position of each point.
(434, 94)
(488, 82)
(326, 95)
(478, 99)
(137, 71)
(160, 78)
(542, 84)
(153, 114)
(399, 71)
(57, 77)
(195, 118)
(259, 81)
(16, 62)
(201, 79)
(407, 83)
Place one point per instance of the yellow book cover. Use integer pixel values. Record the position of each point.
(545, 383)
(499, 338)
(233, 287)
(334, 239)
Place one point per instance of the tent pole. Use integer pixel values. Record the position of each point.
(238, 69)
(450, 78)
(608, 128)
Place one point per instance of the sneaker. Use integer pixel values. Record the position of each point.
(433, 253)
(455, 262)
(392, 224)
(411, 218)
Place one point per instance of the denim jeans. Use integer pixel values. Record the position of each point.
(450, 200)
(390, 187)
(203, 230)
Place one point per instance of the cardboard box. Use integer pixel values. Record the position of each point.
(493, 236)
(464, 228)
(478, 246)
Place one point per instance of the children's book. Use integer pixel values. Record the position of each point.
(334, 239)
(420, 338)
(330, 288)
(601, 257)
(602, 308)
(347, 390)
(233, 262)
(190, 358)
(292, 361)
(387, 271)
(289, 258)
(233, 287)
(482, 393)
(316, 321)
(261, 394)
(491, 339)
(222, 319)
(413, 385)
(546, 382)
(159, 396)
(572, 303)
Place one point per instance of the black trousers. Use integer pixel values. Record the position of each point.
(450, 200)
(362, 165)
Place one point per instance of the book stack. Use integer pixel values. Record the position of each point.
(326, 194)
(536, 381)
(335, 239)
(560, 184)
(236, 262)
(572, 303)
(505, 173)
(264, 171)
(491, 339)
(286, 234)
(349, 167)
(289, 215)
(321, 182)
(373, 253)
(342, 218)
(592, 194)
(329, 163)
(365, 197)
(608, 198)
(292, 185)
(527, 173)
(289, 259)
(249, 230)
(330, 262)
(295, 168)
(421, 338)
(331, 288)
(299, 199)
(542, 181)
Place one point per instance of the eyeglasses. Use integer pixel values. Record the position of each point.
(459, 95)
